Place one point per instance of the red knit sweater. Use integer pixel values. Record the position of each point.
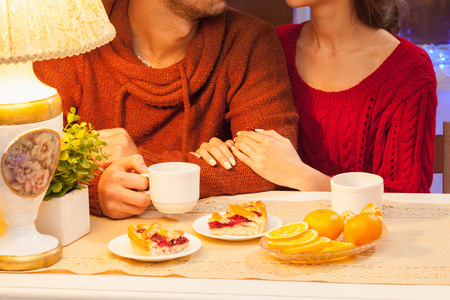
(384, 125)
(233, 78)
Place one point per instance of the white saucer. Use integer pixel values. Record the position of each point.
(201, 227)
(121, 246)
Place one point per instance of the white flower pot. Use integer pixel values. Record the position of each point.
(66, 217)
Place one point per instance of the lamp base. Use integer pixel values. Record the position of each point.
(31, 262)
(24, 248)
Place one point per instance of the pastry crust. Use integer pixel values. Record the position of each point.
(152, 240)
(245, 219)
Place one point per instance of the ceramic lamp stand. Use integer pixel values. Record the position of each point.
(22, 247)
(30, 141)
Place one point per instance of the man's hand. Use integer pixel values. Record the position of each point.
(120, 188)
(119, 144)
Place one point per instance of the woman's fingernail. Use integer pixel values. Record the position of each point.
(232, 148)
(193, 153)
(212, 162)
(233, 161)
(238, 133)
(227, 165)
(259, 130)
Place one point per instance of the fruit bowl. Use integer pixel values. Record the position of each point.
(320, 257)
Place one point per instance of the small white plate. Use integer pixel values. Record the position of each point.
(121, 246)
(201, 227)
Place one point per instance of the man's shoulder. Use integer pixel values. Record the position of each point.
(238, 19)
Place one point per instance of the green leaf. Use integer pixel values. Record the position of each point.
(56, 187)
(63, 155)
(86, 165)
(80, 134)
(70, 118)
(62, 166)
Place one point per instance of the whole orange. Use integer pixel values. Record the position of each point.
(363, 228)
(326, 222)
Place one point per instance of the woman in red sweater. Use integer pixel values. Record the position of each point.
(366, 100)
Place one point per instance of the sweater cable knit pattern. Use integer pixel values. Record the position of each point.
(383, 125)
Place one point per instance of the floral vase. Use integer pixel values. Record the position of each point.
(66, 217)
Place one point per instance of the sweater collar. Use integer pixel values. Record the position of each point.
(161, 87)
(364, 89)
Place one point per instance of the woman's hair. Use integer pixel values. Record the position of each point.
(387, 14)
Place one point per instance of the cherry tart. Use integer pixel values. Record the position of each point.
(242, 220)
(152, 240)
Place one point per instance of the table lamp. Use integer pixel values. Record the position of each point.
(31, 118)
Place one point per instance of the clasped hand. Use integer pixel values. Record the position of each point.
(267, 153)
(120, 186)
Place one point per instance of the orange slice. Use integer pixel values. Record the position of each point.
(372, 208)
(314, 246)
(347, 215)
(337, 246)
(306, 237)
(288, 231)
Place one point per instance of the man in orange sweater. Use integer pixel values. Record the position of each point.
(177, 74)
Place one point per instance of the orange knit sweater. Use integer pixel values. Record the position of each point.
(232, 78)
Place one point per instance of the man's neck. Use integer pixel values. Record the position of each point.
(159, 36)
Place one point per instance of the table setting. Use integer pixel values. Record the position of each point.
(393, 260)
(410, 252)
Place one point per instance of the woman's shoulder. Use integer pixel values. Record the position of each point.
(408, 71)
(407, 66)
(412, 56)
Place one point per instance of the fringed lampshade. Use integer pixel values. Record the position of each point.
(44, 29)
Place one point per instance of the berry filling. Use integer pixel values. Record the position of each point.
(257, 213)
(234, 220)
(162, 241)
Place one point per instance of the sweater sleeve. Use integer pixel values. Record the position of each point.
(407, 160)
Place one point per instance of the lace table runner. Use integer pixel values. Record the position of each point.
(415, 250)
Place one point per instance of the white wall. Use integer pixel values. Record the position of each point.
(301, 14)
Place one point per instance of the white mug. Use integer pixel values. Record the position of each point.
(354, 190)
(174, 186)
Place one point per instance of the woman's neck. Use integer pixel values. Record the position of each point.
(334, 27)
(336, 51)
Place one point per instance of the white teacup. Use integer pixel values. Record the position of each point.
(354, 190)
(174, 186)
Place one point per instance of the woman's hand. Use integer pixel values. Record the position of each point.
(270, 155)
(273, 157)
(217, 150)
